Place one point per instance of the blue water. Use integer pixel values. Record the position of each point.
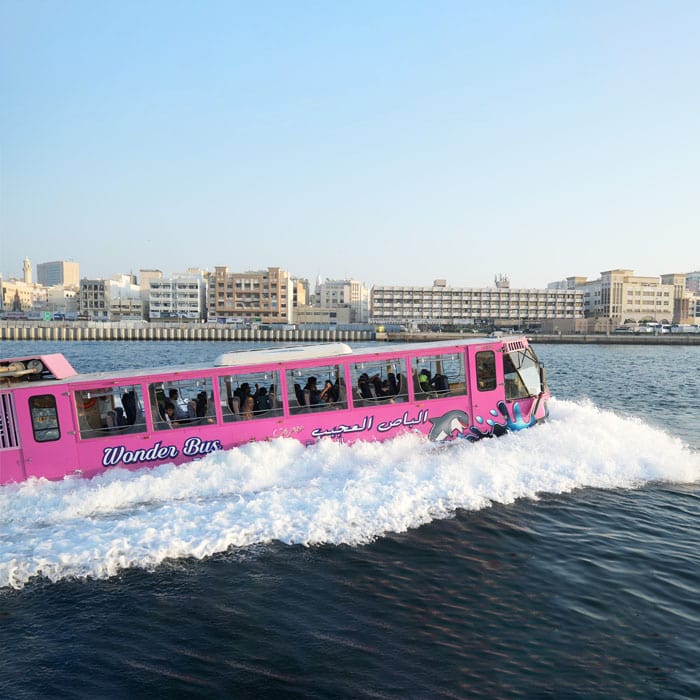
(561, 562)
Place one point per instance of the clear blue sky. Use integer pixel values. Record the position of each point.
(394, 142)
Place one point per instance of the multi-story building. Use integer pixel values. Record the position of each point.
(60, 272)
(110, 300)
(179, 296)
(344, 293)
(329, 317)
(692, 281)
(263, 296)
(620, 296)
(301, 292)
(445, 305)
(62, 300)
(18, 295)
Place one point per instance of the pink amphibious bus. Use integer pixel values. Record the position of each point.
(55, 422)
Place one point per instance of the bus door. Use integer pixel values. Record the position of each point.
(48, 434)
(486, 381)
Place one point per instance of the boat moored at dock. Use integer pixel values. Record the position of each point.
(55, 422)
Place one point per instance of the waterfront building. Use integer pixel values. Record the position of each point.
(301, 292)
(348, 293)
(62, 300)
(20, 296)
(620, 296)
(692, 281)
(462, 306)
(113, 299)
(262, 296)
(328, 317)
(180, 296)
(59, 272)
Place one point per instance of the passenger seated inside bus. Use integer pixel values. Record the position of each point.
(314, 394)
(183, 410)
(262, 400)
(169, 414)
(248, 408)
(424, 380)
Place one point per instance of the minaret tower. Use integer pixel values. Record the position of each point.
(27, 271)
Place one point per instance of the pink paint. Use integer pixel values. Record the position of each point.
(56, 423)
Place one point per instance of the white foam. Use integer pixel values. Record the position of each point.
(329, 493)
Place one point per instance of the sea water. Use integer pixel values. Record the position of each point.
(559, 562)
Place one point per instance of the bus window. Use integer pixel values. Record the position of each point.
(44, 418)
(486, 370)
(438, 376)
(182, 403)
(521, 371)
(250, 395)
(319, 388)
(103, 411)
(381, 381)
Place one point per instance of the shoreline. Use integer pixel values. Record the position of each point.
(76, 331)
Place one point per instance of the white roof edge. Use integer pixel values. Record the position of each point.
(292, 352)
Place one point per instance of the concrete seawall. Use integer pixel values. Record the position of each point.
(601, 339)
(40, 331)
(106, 331)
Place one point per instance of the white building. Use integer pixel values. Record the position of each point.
(445, 305)
(179, 296)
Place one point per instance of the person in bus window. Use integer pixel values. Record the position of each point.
(248, 408)
(262, 400)
(180, 411)
(424, 380)
(314, 392)
(328, 392)
(169, 413)
(363, 386)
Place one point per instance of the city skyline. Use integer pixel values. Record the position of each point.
(394, 144)
(497, 278)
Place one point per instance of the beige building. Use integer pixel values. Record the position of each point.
(18, 295)
(620, 296)
(347, 293)
(59, 273)
(301, 292)
(264, 296)
(309, 315)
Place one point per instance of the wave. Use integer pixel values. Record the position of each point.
(325, 494)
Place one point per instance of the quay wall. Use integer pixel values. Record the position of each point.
(578, 339)
(112, 331)
(43, 330)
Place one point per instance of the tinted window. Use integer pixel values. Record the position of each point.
(250, 395)
(44, 418)
(182, 403)
(104, 411)
(486, 370)
(438, 376)
(379, 381)
(320, 388)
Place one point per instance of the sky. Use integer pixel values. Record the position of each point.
(391, 142)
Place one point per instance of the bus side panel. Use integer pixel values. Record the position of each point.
(11, 461)
(47, 432)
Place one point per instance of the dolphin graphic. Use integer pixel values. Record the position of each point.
(445, 425)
